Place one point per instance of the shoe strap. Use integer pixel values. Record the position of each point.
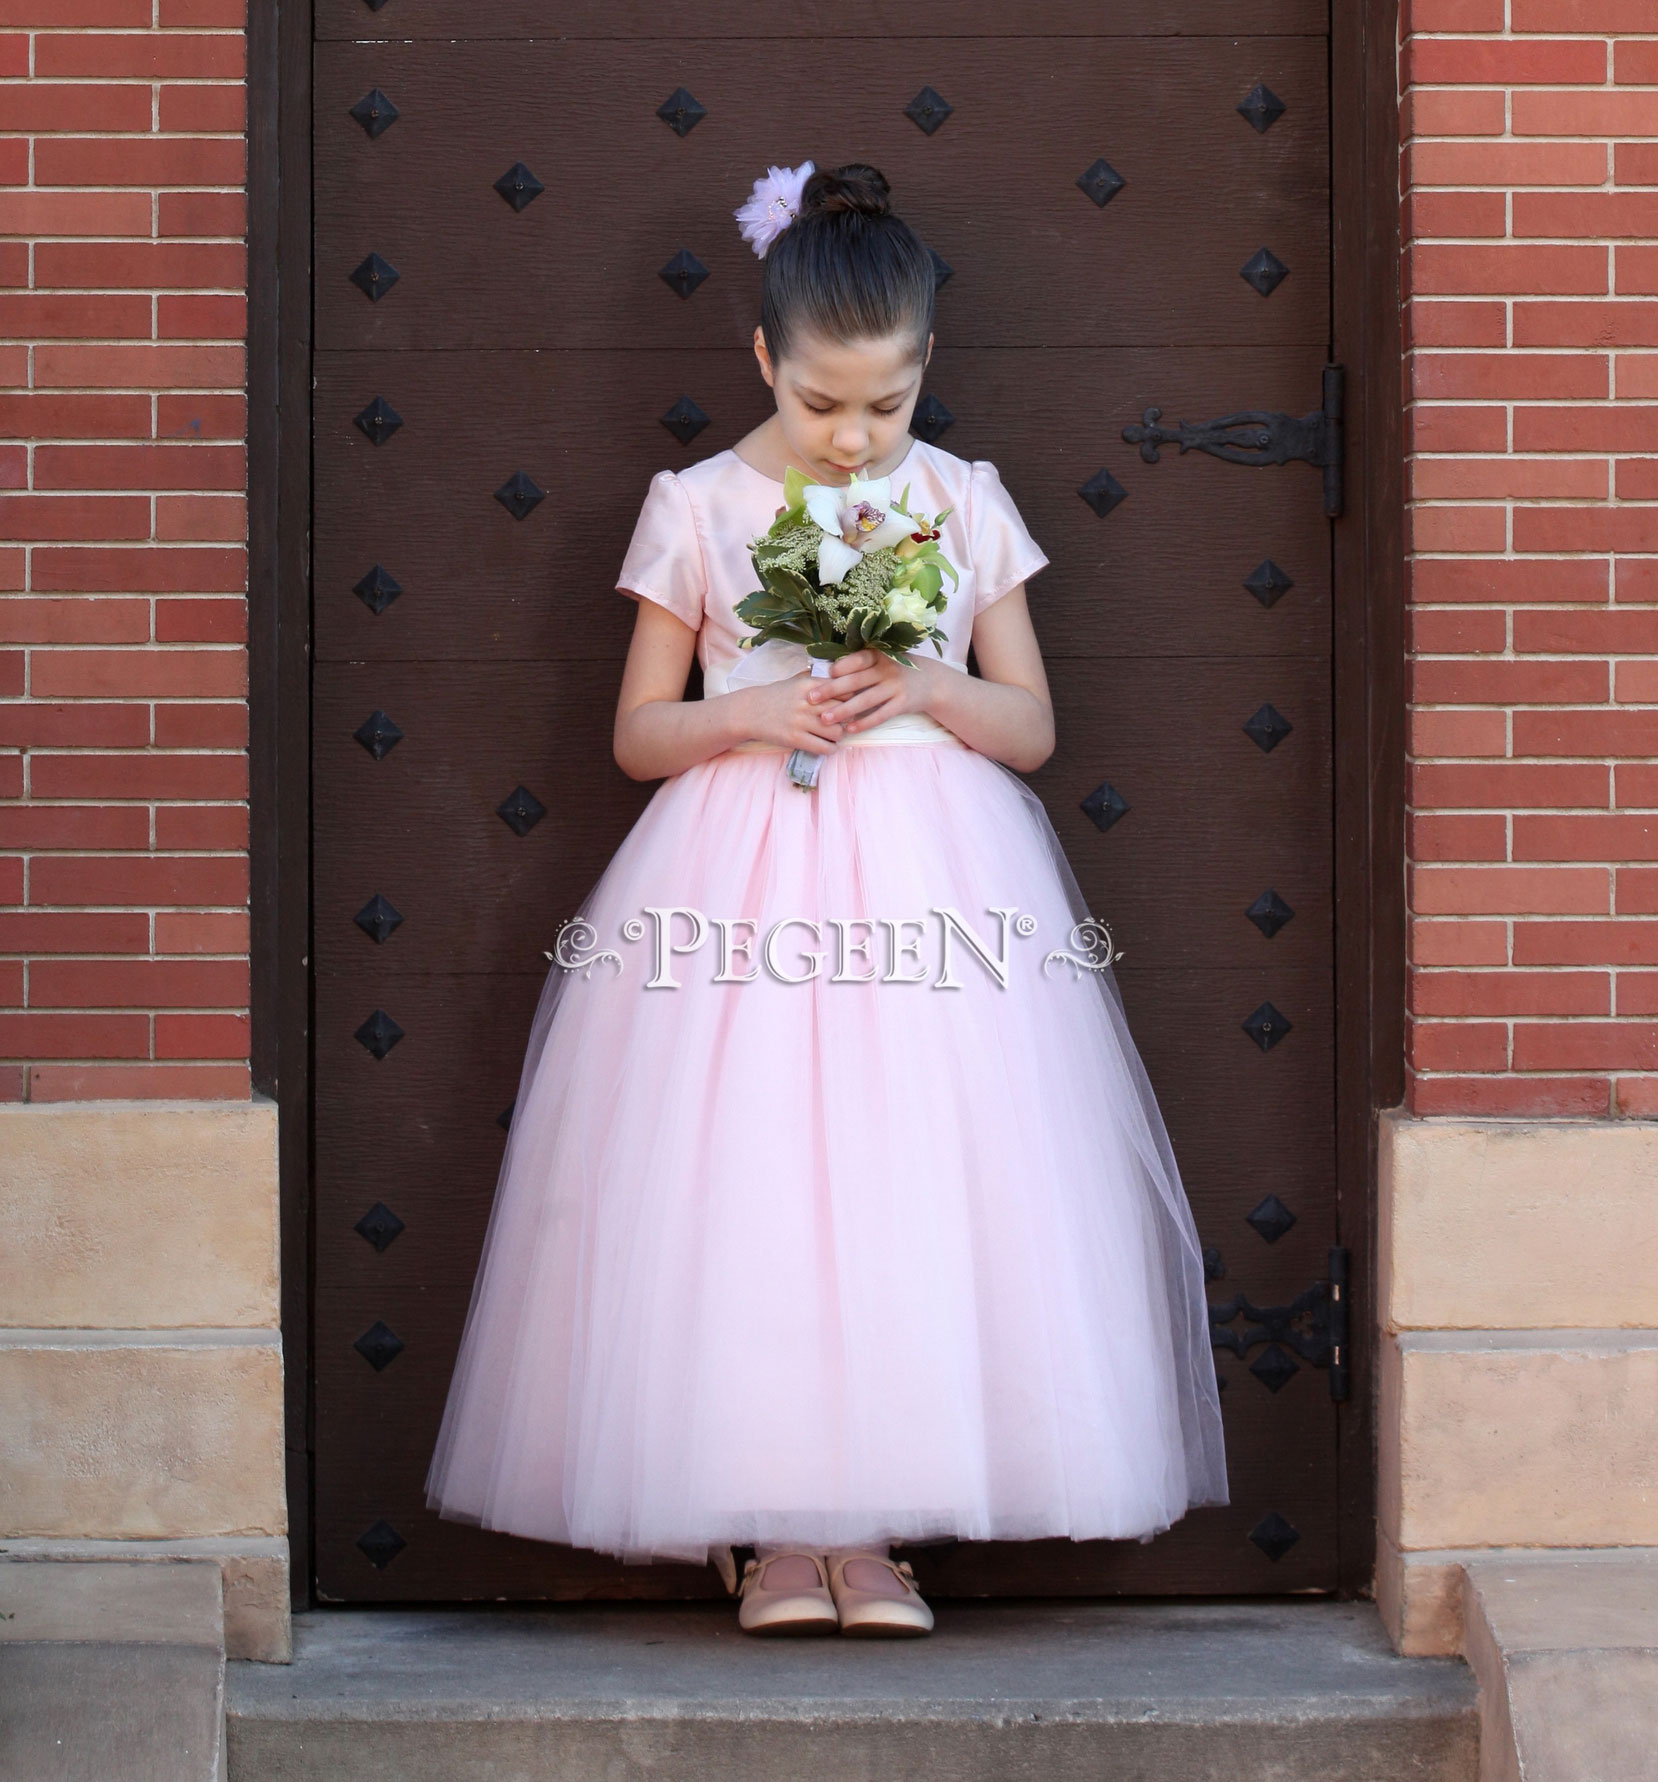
(753, 1568)
(900, 1568)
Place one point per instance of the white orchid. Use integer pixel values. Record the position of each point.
(861, 517)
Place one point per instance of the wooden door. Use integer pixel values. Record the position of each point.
(528, 282)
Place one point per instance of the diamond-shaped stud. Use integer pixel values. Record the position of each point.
(931, 419)
(1265, 271)
(380, 1545)
(1274, 1367)
(375, 277)
(1267, 728)
(1102, 182)
(520, 810)
(1262, 107)
(1103, 492)
(927, 110)
(683, 273)
(378, 918)
(1105, 805)
(1214, 1264)
(379, 1033)
(1271, 1218)
(374, 5)
(1274, 1536)
(379, 421)
(379, 1226)
(379, 1347)
(375, 112)
(1266, 1026)
(684, 420)
(504, 1118)
(519, 186)
(378, 734)
(943, 271)
(1269, 913)
(377, 590)
(680, 112)
(1267, 582)
(520, 495)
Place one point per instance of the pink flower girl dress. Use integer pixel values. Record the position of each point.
(832, 1262)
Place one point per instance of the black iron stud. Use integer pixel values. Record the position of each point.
(375, 112)
(684, 420)
(943, 271)
(1262, 107)
(379, 421)
(931, 420)
(379, 1347)
(1266, 1026)
(375, 277)
(1102, 182)
(521, 810)
(1214, 1264)
(520, 496)
(1269, 913)
(374, 5)
(1265, 271)
(378, 918)
(1103, 492)
(680, 112)
(378, 734)
(683, 273)
(1267, 728)
(377, 590)
(1274, 1536)
(379, 1226)
(1105, 805)
(379, 1033)
(1271, 1218)
(1267, 582)
(927, 110)
(380, 1545)
(519, 186)
(504, 1118)
(1274, 1367)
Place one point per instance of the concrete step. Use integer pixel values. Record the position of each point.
(1213, 1692)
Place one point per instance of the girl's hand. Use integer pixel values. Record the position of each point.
(782, 712)
(868, 687)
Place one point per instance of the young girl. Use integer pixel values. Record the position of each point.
(818, 1259)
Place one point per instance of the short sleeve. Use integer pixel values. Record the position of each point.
(1004, 553)
(664, 560)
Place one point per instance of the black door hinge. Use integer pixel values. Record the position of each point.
(1313, 1325)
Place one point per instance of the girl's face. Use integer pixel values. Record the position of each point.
(845, 407)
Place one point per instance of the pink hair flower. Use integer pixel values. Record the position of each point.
(773, 205)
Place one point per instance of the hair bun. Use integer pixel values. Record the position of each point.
(861, 190)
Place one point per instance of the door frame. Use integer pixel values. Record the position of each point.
(1368, 690)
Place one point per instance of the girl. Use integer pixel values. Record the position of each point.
(825, 1253)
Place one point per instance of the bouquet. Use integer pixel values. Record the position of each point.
(844, 570)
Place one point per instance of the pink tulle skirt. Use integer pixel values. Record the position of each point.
(833, 1262)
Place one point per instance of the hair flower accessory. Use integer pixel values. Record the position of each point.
(773, 205)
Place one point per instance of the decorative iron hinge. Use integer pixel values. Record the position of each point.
(1313, 1324)
(1258, 437)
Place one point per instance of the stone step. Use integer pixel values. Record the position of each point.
(1130, 1692)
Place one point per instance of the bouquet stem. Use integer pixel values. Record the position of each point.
(802, 765)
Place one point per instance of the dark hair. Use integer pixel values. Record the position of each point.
(847, 268)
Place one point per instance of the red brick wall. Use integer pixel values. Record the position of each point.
(123, 721)
(1530, 181)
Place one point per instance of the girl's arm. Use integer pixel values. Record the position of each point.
(659, 732)
(1004, 712)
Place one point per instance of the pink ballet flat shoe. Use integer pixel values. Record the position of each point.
(867, 1614)
(792, 1607)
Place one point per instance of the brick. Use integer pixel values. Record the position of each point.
(1454, 215)
(139, 674)
(1586, 943)
(1509, 376)
(1440, 734)
(146, 570)
(143, 776)
(50, 415)
(1481, 529)
(14, 264)
(1510, 1097)
(1462, 322)
(1597, 837)
(142, 265)
(1452, 113)
(60, 931)
(1635, 163)
(1637, 582)
(42, 110)
(1508, 786)
(154, 55)
(31, 827)
(68, 15)
(201, 621)
(76, 619)
(1635, 784)
(1441, 838)
(1458, 1045)
(209, 518)
(1510, 891)
(74, 213)
(37, 315)
(1457, 631)
(202, 1036)
(1637, 891)
(1456, 429)
(11, 871)
(1636, 993)
(1586, 529)
(204, 109)
(1592, 733)
(119, 879)
(14, 161)
(14, 467)
(1451, 15)
(1604, 324)
(218, 828)
(138, 983)
(182, 725)
(74, 1036)
(1458, 942)
(1607, 113)
(14, 367)
(202, 931)
(11, 674)
(1508, 993)
(1635, 272)
(203, 213)
(1511, 270)
(1629, 427)
(170, 1082)
(1586, 1045)
(1612, 632)
(140, 161)
(1449, 61)
(202, 318)
(1636, 64)
(1637, 479)
(1600, 214)
(201, 417)
(139, 367)
(1637, 1097)
(1597, 16)
(61, 517)
(1635, 683)
(37, 724)
(1508, 682)
(1475, 479)
(14, 56)
(169, 466)
(1506, 164)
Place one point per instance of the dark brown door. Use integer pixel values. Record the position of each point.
(529, 283)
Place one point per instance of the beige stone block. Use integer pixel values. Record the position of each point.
(1512, 1224)
(1419, 1597)
(138, 1215)
(141, 1435)
(1518, 1438)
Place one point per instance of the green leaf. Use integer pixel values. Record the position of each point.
(794, 488)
